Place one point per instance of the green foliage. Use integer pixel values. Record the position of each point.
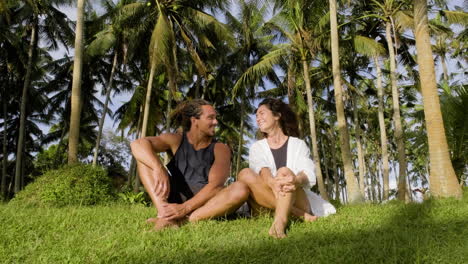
(49, 159)
(71, 185)
(134, 198)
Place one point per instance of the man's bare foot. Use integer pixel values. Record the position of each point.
(160, 224)
(309, 217)
(277, 229)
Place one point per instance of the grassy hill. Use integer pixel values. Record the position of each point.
(433, 232)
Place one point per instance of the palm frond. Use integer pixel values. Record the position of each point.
(262, 68)
(367, 46)
(456, 17)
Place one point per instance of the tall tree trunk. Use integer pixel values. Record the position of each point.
(334, 166)
(354, 195)
(383, 131)
(400, 140)
(379, 187)
(241, 136)
(443, 181)
(292, 96)
(361, 163)
(106, 103)
(24, 101)
(5, 152)
(326, 180)
(313, 131)
(373, 185)
(148, 99)
(444, 67)
(173, 72)
(76, 100)
(59, 146)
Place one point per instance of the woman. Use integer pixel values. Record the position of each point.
(281, 171)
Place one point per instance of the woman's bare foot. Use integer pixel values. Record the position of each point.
(160, 224)
(309, 217)
(277, 229)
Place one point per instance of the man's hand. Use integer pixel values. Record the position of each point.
(161, 183)
(173, 211)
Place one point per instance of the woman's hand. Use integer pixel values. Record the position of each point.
(285, 181)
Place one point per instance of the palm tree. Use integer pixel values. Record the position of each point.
(252, 43)
(35, 12)
(371, 48)
(184, 22)
(453, 101)
(354, 195)
(111, 39)
(76, 99)
(443, 181)
(389, 9)
(290, 24)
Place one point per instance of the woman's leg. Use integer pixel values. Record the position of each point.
(263, 195)
(284, 204)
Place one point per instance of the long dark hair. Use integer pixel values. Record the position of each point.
(186, 110)
(288, 119)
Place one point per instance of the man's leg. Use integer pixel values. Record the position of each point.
(147, 179)
(223, 203)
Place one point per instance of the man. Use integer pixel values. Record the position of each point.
(193, 188)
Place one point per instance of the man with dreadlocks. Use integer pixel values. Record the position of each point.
(191, 188)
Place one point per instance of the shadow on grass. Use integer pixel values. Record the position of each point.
(411, 233)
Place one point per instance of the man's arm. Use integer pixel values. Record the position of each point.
(217, 176)
(143, 150)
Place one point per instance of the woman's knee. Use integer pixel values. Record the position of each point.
(240, 191)
(285, 171)
(247, 176)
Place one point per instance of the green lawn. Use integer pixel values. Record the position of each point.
(433, 232)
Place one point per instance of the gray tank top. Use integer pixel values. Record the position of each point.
(280, 155)
(191, 166)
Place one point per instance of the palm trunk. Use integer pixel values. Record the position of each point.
(5, 153)
(444, 68)
(75, 117)
(59, 146)
(361, 163)
(241, 136)
(313, 132)
(24, 101)
(334, 166)
(379, 187)
(292, 96)
(383, 131)
(173, 70)
(106, 103)
(354, 195)
(400, 140)
(148, 99)
(443, 181)
(326, 180)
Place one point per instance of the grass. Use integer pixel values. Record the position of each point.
(433, 232)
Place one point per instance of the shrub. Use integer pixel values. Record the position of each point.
(70, 185)
(134, 198)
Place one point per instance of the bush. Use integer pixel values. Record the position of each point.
(70, 185)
